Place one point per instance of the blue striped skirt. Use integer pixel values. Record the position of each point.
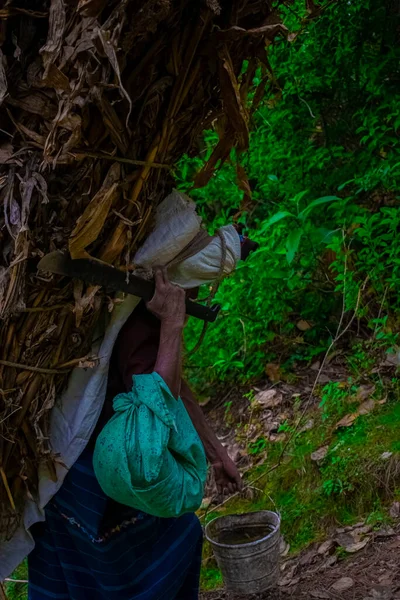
(83, 552)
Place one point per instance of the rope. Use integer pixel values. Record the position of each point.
(213, 293)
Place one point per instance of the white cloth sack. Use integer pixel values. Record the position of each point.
(76, 412)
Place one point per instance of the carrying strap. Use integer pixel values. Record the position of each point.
(196, 245)
(214, 291)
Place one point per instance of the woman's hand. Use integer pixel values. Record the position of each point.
(168, 303)
(227, 476)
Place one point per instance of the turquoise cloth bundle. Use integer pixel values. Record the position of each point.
(149, 455)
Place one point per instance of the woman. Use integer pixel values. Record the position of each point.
(90, 546)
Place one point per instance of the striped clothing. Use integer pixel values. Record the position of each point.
(87, 552)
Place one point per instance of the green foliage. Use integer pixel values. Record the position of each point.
(324, 168)
(353, 482)
(18, 591)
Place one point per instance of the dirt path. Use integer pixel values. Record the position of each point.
(371, 574)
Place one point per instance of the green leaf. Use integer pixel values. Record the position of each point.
(273, 178)
(322, 235)
(292, 244)
(282, 214)
(343, 185)
(304, 213)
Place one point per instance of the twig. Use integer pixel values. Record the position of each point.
(9, 580)
(380, 309)
(37, 309)
(10, 12)
(8, 363)
(309, 108)
(11, 414)
(121, 159)
(5, 483)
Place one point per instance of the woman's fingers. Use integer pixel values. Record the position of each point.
(164, 272)
(159, 278)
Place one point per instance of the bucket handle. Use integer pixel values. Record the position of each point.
(249, 486)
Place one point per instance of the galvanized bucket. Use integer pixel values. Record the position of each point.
(247, 567)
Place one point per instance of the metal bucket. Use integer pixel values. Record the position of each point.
(247, 567)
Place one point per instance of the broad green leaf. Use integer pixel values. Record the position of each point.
(292, 244)
(343, 185)
(273, 178)
(282, 214)
(317, 202)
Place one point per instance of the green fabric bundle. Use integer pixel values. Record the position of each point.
(149, 455)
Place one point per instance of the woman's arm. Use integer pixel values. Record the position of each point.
(168, 305)
(227, 476)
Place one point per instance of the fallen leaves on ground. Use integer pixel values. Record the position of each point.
(343, 584)
(303, 325)
(394, 511)
(320, 454)
(274, 372)
(269, 398)
(364, 392)
(364, 409)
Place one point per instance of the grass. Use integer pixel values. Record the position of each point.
(18, 591)
(355, 481)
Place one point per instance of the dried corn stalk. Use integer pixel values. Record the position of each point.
(97, 102)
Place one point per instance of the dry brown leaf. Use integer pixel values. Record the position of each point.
(57, 23)
(326, 547)
(347, 420)
(357, 546)
(394, 511)
(320, 454)
(274, 372)
(269, 398)
(108, 46)
(220, 153)
(312, 8)
(6, 152)
(366, 407)
(91, 8)
(292, 37)
(233, 107)
(303, 325)
(3, 78)
(343, 584)
(307, 426)
(36, 103)
(54, 78)
(90, 224)
(269, 31)
(365, 391)
(277, 437)
(385, 532)
(243, 182)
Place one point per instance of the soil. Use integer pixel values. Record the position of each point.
(372, 574)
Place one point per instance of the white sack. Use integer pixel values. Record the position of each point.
(176, 224)
(205, 266)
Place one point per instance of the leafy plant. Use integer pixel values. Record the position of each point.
(302, 226)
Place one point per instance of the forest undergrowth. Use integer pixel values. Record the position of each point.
(299, 374)
(318, 301)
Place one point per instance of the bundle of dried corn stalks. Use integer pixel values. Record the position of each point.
(98, 100)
